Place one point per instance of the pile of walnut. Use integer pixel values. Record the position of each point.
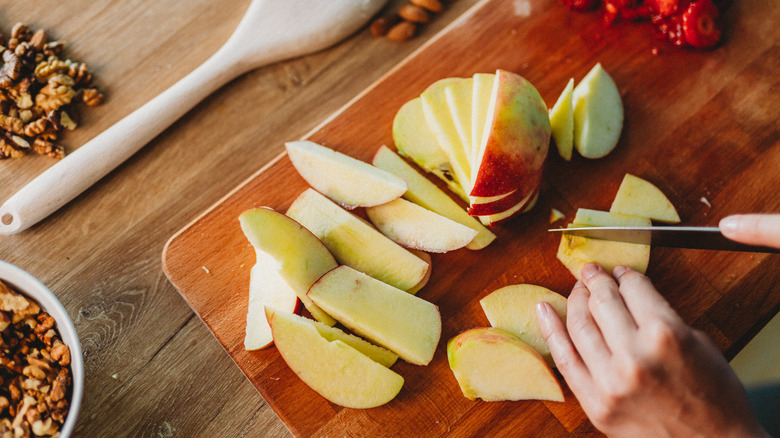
(34, 369)
(403, 25)
(38, 93)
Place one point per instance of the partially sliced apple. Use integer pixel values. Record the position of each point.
(413, 226)
(346, 180)
(458, 97)
(415, 140)
(426, 194)
(266, 288)
(498, 206)
(513, 308)
(333, 369)
(480, 97)
(639, 197)
(598, 114)
(574, 251)
(356, 243)
(300, 257)
(390, 317)
(525, 205)
(515, 140)
(562, 122)
(495, 365)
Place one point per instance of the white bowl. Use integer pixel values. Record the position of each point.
(24, 283)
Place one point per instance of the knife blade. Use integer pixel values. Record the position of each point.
(668, 236)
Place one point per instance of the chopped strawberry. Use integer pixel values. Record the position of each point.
(670, 28)
(581, 5)
(666, 8)
(700, 24)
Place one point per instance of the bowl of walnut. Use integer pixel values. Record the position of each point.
(41, 366)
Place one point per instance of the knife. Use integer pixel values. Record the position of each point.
(674, 237)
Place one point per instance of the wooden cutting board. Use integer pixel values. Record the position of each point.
(702, 126)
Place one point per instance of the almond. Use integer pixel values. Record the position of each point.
(402, 31)
(381, 25)
(415, 14)
(431, 5)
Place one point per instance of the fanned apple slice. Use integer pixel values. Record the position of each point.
(513, 308)
(413, 226)
(525, 205)
(495, 365)
(428, 195)
(356, 243)
(266, 288)
(437, 114)
(458, 97)
(598, 114)
(346, 180)
(390, 317)
(415, 140)
(640, 197)
(300, 256)
(480, 102)
(333, 369)
(562, 122)
(574, 251)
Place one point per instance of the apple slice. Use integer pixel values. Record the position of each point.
(266, 288)
(498, 206)
(356, 243)
(390, 317)
(424, 193)
(424, 256)
(480, 102)
(562, 122)
(525, 205)
(349, 182)
(437, 114)
(513, 308)
(300, 257)
(639, 197)
(376, 353)
(458, 97)
(598, 114)
(415, 140)
(412, 226)
(515, 140)
(333, 369)
(495, 365)
(574, 251)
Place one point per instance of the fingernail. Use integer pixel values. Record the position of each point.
(619, 271)
(729, 224)
(542, 310)
(589, 270)
(543, 316)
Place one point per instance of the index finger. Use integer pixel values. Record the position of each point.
(753, 229)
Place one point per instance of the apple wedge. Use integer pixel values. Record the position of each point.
(481, 91)
(598, 114)
(346, 180)
(415, 140)
(300, 257)
(495, 365)
(562, 122)
(513, 308)
(515, 140)
(424, 256)
(639, 197)
(428, 195)
(390, 317)
(333, 369)
(521, 207)
(376, 353)
(574, 251)
(413, 226)
(354, 242)
(458, 96)
(266, 288)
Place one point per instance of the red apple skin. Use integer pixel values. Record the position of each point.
(519, 139)
(504, 204)
(530, 203)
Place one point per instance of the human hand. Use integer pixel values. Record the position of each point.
(636, 368)
(753, 229)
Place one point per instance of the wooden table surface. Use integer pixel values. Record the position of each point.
(153, 368)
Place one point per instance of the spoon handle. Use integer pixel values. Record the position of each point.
(70, 176)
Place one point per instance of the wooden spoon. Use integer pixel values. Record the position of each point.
(270, 31)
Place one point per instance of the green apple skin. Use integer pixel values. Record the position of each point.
(426, 194)
(639, 197)
(514, 147)
(403, 323)
(415, 140)
(513, 308)
(333, 369)
(562, 122)
(598, 114)
(354, 242)
(574, 251)
(495, 365)
(346, 180)
(301, 256)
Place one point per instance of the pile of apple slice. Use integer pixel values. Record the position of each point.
(509, 360)
(637, 203)
(486, 136)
